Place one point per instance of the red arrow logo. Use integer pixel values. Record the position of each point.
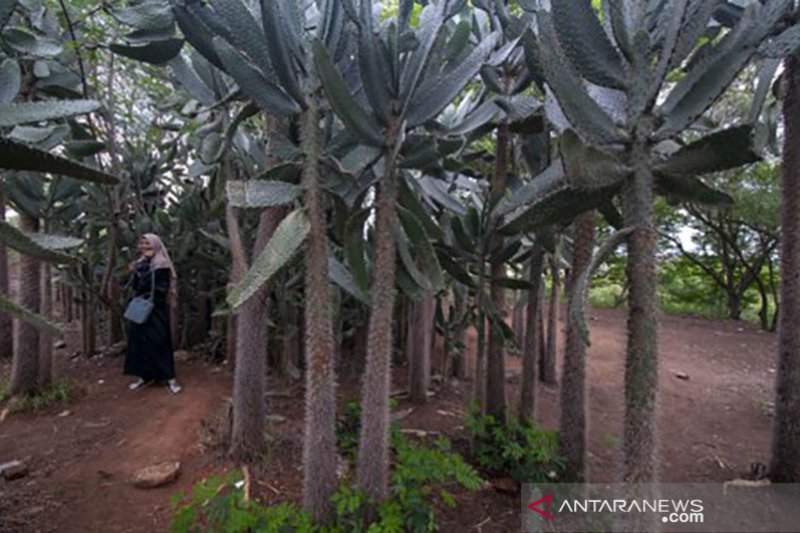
(547, 499)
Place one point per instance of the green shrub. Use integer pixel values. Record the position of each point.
(219, 505)
(348, 426)
(526, 453)
(420, 478)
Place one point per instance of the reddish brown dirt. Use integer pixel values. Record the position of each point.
(712, 426)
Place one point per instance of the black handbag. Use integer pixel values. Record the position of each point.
(140, 307)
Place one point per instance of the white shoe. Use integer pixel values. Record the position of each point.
(174, 386)
(138, 384)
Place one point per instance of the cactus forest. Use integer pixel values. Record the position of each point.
(385, 265)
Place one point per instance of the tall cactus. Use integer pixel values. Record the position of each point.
(403, 88)
(785, 463)
(630, 58)
(271, 60)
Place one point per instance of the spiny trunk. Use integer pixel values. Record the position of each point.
(572, 431)
(198, 328)
(479, 392)
(238, 266)
(292, 343)
(115, 328)
(527, 401)
(248, 442)
(420, 339)
(785, 463)
(641, 360)
(549, 366)
(447, 340)
(69, 304)
(89, 303)
(25, 364)
(46, 341)
(319, 444)
(518, 325)
(372, 474)
(6, 324)
(540, 325)
(360, 347)
(112, 291)
(495, 362)
(230, 339)
(88, 323)
(460, 337)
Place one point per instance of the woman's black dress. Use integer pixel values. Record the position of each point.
(150, 354)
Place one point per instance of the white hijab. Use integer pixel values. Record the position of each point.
(161, 259)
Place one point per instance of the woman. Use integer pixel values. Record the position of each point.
(149, 355)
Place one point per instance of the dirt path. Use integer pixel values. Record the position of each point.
(712, 426)
(81, 464)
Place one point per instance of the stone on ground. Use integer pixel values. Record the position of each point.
(157, 475)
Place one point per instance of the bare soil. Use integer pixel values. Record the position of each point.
(82, 455)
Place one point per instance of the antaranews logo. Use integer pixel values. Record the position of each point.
(671, 511)
(675, 507)
(534, 506)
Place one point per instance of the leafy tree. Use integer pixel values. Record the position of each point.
(735, 245)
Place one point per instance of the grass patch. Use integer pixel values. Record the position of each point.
(59, 392)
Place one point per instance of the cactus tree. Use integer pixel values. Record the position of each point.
(628, 57)
(270, 58)
(403, 88)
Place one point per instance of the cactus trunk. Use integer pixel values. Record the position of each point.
(495, 361)
(6, 335)
(527, 402)
(641, 360)
(419, 344)
(573, 377)
(785, 463)
(25, 364)
(248, 442)
(46, 341)
(551, 348)
(372, 474)
(319, 444)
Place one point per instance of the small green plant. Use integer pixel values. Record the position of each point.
(526, 453)
(421, 477)
(349, 424)
(59, 392)
(218, 505)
